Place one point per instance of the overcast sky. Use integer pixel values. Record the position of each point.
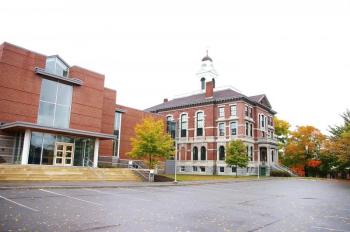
(296, 52)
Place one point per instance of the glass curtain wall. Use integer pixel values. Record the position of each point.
(11, 147)
(42, 148)
(117, 122)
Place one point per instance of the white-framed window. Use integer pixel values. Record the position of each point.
(195, 168)
(202, 168)
(251, 153)
(195, 153)
(221, 153)
(221, 129)
(234, 169)
(270, 121)
(222, 169)
(171, 126)
(247, 128)
(203, 153)
(248, 111)
(182, 169)
(233, 110)
(262, 121)
(251, 129)
(233, 128)
(200, 123)
(183, 125)
(221, 112)
(55, 104)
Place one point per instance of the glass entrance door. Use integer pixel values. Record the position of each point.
(64, 154)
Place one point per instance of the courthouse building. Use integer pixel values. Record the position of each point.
(208, 120)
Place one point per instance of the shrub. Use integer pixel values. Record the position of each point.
(280, 173)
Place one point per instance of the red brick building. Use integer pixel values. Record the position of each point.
(208, 120)
(52, 113)
(128, 119)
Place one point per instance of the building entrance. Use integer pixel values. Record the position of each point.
(64, 154)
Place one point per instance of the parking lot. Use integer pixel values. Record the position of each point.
(268, 205)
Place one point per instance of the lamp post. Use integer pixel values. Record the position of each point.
(173, 126)
(175, 179)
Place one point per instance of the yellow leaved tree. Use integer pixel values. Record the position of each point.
(151, 141)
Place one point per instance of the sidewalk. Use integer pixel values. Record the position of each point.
(108, 184)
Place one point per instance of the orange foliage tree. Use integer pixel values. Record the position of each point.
(303, 145)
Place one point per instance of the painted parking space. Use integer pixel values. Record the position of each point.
(274, 205)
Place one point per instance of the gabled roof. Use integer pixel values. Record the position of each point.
(262, 99)
(200, 99)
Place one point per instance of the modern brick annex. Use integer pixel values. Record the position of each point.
(207, 121)
(55, 114)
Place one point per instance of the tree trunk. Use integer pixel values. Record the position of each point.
(150, 162)
(236, 170)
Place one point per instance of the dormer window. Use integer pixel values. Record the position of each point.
(55, 65)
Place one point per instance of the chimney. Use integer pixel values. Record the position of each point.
(209, 89)
(165, 100)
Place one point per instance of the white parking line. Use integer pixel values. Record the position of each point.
(329, 229)
(75, 198)
(133, 190)
(109, 193)
(24, 206)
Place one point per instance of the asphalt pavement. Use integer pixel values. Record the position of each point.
(268, 205)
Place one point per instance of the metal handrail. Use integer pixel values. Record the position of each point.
(284, 168)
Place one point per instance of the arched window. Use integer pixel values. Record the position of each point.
(183, 125)
(203, 153)
(200, 123)
(251, 153)
(170, 126)
(195, 153)
(202, 83)
(221, 153)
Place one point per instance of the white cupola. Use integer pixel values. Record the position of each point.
(207, 72)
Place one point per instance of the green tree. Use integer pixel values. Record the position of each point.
(151, 141)
(339, 142)
(236, 154)
(337, 131)
(282, 133)
(281, 130)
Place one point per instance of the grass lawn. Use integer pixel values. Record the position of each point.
(184, 177)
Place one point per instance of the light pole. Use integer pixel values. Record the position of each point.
(173, 125)
(175, 179)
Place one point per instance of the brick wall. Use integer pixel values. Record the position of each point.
(130, 118)
(19, 85)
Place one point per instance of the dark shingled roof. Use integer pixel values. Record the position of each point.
(207, 58)
(257, 98)
(196, 99)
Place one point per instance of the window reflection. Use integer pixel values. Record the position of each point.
(42, 148)
(55, 104)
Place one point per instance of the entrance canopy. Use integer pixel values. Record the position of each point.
(15, 126)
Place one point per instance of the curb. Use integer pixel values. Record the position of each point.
(171, 184)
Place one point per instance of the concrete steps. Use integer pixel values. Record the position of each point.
(56, 173)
